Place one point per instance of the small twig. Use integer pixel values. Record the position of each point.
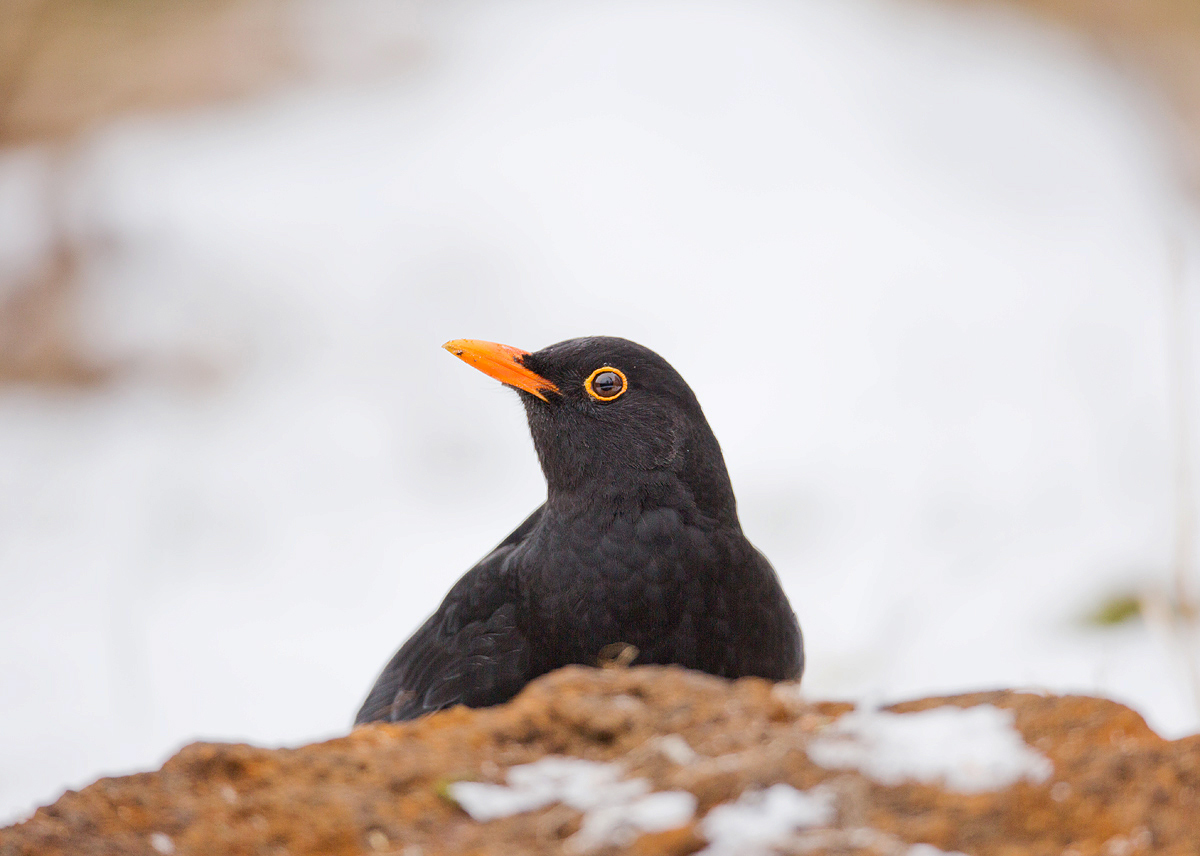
(617, 655)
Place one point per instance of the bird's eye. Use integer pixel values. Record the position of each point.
(605, 384)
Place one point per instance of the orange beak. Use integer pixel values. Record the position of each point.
(503, 362)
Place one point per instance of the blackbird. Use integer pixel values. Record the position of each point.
(637, 545)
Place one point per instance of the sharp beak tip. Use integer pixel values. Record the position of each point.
(502, 362)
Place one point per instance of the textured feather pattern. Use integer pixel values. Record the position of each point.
(680, 591)
(468, 652)
(638, 543)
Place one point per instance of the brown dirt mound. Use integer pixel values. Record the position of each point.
(1117, 788)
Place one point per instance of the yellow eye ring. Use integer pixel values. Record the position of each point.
(591, 383)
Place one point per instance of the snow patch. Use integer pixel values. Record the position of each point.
(616, 810)
(930, 850)
(581, 784)
(621, 823)
(675, 749)
(969, 750)
(760, 820)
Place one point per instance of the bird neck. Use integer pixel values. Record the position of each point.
(662, 460)
(634, 493)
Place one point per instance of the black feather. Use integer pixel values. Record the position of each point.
(638, 543)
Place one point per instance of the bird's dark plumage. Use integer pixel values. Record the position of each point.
(638, 542)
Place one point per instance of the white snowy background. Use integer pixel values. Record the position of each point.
(915, 261)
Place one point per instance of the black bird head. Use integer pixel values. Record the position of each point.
(612, 421)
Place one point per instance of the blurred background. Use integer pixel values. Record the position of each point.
(930, 267)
